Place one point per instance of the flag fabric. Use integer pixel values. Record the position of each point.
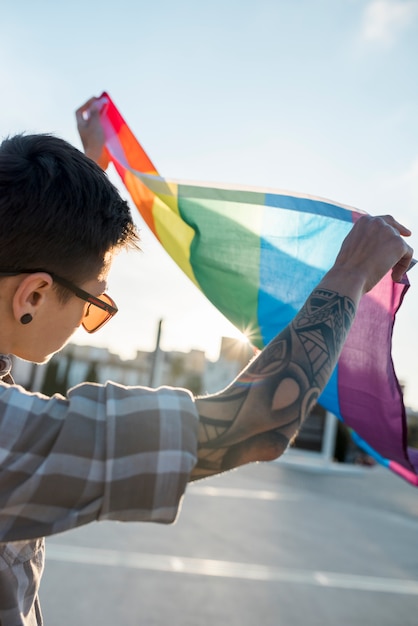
(256, 255)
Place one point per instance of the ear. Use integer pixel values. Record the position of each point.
(31, 293)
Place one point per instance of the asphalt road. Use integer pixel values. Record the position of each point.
(265, 545)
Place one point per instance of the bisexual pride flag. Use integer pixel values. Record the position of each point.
(257, 255)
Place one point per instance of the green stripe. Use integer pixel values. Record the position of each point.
(239, 196)
(225, 251)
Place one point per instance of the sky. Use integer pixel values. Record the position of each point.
(312, 96)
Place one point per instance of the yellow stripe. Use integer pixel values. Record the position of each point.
(175, 235)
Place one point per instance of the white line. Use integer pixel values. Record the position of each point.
(228, 569)
(231, 492)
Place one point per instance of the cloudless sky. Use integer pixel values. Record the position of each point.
(315, 96)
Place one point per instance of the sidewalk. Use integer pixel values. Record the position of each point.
(267, 544)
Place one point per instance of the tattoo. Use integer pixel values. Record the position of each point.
(322, 327)
(270, 399)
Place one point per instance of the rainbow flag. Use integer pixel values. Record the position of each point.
(257, 254)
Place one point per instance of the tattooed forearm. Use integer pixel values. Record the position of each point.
(322, 327)
(267, 403)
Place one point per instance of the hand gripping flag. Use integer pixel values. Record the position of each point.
(257, 255)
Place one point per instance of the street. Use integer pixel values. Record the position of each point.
(264, 545)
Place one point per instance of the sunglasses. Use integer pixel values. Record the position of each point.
(98, 311)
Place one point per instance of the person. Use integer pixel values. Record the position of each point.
(109, 452)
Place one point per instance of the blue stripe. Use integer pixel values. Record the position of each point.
(309, 205)
(318, 207)
(292, 263)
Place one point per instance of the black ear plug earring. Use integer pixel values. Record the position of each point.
(26, 318)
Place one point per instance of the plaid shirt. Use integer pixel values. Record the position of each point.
(106, 452)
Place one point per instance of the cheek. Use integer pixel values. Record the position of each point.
(66, 321)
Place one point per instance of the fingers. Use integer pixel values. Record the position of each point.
(402, 266)
(402, 230)
(82, 113)
(405, 251)
(388, 219)
(375, 246)
(89, 111)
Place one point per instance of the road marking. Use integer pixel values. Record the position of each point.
(231, 492)
(228, 569)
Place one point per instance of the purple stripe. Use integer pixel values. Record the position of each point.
(372, 403)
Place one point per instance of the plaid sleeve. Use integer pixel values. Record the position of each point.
(105, 452)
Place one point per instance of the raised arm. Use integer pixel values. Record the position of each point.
(256, 417)
(91, 132)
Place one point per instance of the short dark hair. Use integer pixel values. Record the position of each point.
(58, 209)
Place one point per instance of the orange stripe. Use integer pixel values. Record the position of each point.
(136, 156)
